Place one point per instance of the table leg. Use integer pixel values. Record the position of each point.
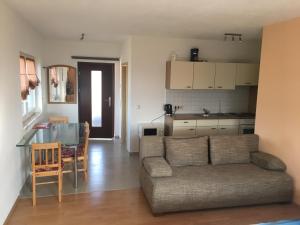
(75, 168)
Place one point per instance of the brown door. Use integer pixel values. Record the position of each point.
(96, 97)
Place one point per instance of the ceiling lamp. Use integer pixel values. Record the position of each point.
(233, 37)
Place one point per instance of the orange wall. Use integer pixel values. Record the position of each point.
(278, 103)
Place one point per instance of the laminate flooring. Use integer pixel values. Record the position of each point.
(111, 167)
(129, 207)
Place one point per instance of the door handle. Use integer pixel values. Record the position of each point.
(109, 101)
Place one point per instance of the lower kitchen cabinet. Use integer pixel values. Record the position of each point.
(184, 131)
(228, 130)
(209, 130)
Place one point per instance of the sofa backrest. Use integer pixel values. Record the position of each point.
(227, 149)
(187, 151)
(154, 146)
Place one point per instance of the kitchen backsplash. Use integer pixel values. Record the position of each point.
(215, 101)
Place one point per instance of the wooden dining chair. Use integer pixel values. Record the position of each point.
(58, 119)
(82, 153)
(46, 162)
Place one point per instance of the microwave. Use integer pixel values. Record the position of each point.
(151, 129)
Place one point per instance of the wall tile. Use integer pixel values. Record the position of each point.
(225, 101)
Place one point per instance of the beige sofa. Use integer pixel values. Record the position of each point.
(179, 174)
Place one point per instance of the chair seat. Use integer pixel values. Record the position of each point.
(69, 152)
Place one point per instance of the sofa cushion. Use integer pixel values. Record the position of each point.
(157, 167)
(191, 151)
(151, 146)
(267, 161)
(229, 149)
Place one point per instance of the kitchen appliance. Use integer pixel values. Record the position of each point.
(246, 126)
(151, 129)
(194, 54)
(168, 109)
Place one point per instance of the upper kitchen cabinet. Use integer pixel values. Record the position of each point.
(247, 74)
(225, 76)
(204, 75)
(180, 75)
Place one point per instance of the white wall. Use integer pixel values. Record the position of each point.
(126, 57)
(15, 36)
(60, 52)
(147, 76)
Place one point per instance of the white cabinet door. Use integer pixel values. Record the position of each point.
(180, 75)
(247, 74)
(209, 130)
(204, 75)
(228, 130)
(184, 131)
(225, 76)
(184, 123)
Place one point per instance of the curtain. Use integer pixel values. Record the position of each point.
(53, 76)
(31, 73)
(24, 79)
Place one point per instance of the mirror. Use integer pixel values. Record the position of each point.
(61, 84)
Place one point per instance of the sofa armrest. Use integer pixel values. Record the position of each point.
(157, 167)
(267, 161)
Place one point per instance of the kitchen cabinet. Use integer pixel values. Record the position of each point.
(247, 74)
(184, 123)
(204, 75)
(225, 76)
(228, 130)
(228, 127)
(184, 131)
(210, 75)
(179, 75)
(207, 130)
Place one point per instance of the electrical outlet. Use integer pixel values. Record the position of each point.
(178, 107)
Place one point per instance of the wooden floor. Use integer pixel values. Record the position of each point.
(129, 207)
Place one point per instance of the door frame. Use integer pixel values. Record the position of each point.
(114, 95)
(124, 102)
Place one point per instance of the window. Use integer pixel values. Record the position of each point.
(30, 90)
(96, 86)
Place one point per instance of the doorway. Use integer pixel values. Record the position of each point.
(96, 97)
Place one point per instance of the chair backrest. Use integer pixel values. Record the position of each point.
(86, 137)
(58, 119)
(46, 156)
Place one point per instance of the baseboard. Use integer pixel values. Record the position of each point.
(11, 212)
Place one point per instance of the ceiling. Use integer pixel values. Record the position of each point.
(112, 20)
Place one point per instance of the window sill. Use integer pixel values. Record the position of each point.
(28, 122)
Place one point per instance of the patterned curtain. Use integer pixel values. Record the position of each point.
(31, 74)
(23, 79)
(53, 76)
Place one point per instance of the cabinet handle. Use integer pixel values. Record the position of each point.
(248, 83)
(188, 86)
(210, 87)
(220, 87)
(214, 128)
(223, 128)
(185, 122)
(191, 129)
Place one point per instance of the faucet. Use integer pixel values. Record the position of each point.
(206, 111)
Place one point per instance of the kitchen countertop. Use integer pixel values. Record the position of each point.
(213, 116)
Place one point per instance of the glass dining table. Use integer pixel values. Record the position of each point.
(69, 135)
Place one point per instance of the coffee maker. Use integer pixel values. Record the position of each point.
(168, 109)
